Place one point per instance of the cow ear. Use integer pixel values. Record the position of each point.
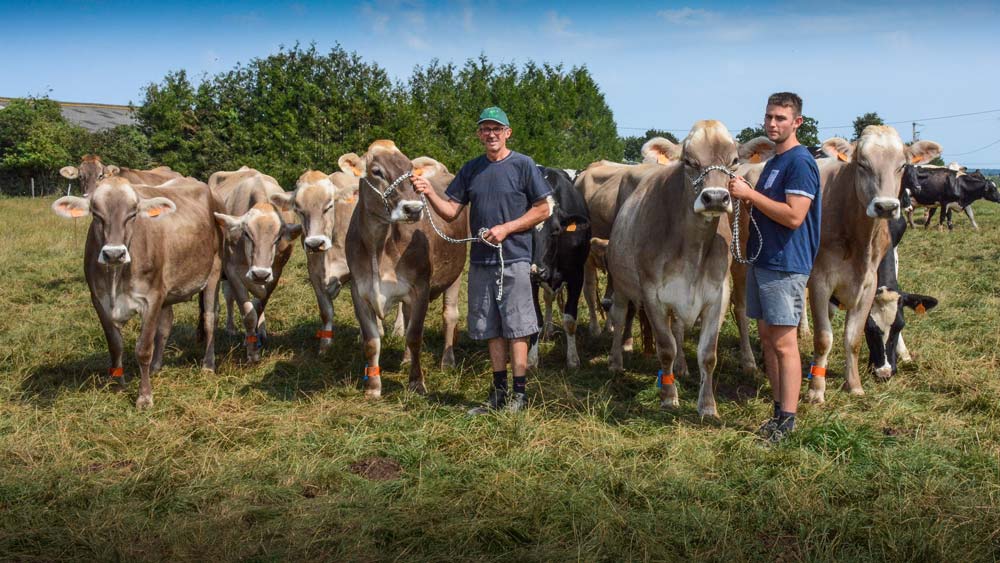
(426, 166)
(283, 201)
(291, 231)
(111, 170)
(156, 206)
(71, 207)
(660, 151)
(756, 150)
(919, 303)
(232, 227)
(352, 165)
(922, 152)
(836, 147)
(69, 172)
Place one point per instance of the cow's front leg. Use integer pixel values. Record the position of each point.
(748, 364)
(680, 360)
(708, 342)
(229, 297)
(822, 343)
(573, 287)
(667, 350)
(162, 334)
(404, 313)
(207, 304)
(249, 322)
(116, 348)
(617, 319)
(853, 331)
(971, 216)
(449, 318)
(414, 339)
(368, 323)
(590, 295)
(548, 297)
(144, 352)
(325, 303)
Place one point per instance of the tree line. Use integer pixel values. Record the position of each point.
(300, 108)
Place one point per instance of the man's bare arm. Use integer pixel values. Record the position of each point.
(538, 213)
(447, 209)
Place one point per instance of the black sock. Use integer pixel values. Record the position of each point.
(777, 409)
(520, 383)
(787, 420)
(500, 380)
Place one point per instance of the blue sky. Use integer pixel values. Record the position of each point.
(660, 64)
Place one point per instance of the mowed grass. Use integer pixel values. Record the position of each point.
(285, 460)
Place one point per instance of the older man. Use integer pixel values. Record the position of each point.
(506, 195)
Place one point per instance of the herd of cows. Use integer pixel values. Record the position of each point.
(662, 230)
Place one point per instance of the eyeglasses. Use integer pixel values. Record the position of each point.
(491, 130)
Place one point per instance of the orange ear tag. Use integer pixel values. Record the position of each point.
(351, 199)
(418, 171)
(357, 171)
(153, 212)
(662, 159)
(920, 309)
(571, 227)
(755, 158)
(76, 213)
(915, 159)
(842, 307)
(842, 157)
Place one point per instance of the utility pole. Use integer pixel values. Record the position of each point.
(915, 136)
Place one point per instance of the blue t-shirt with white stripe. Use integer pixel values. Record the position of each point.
(789, 250)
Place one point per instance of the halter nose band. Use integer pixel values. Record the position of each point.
(389, 190)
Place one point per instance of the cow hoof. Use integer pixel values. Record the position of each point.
(144, 402)
(859, 392)
(208, 369)
(615, 367)
(418, 387)
(573, 363)
(324, 345)
(670, 403)
(448, 361)
(883, 376)
(709, 412)
(628, 345)
(816, 397)
(749, 369)
(373, 393)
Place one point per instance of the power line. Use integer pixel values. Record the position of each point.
(977, 150)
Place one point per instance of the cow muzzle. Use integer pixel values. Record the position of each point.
(317, 244)
(114, 255)
(407, 212)
(883, 208)
(259, 275)
(540, 273)
(713, 202)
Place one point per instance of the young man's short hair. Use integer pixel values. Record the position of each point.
(786, 100)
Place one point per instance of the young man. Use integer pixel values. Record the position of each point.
(506, 194)
(787, 209)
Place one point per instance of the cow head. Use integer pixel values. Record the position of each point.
(114, 205)
(261, 233)
(381, 168)
(975, 186)
(320, 201)
(885, 324)
(879, 158)
(706, 149)
(90, 172)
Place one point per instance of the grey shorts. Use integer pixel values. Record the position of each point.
(511, 317)
(775, 297)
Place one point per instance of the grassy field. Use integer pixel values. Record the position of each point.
(284, 460)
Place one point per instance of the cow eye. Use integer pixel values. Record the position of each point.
(377, 171)
(691, 163)
(328, 207)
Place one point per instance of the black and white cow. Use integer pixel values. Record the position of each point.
(883, 329)
(971, 188)
(561, 246)
(933, 187)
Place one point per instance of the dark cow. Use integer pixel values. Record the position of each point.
(883, 329)
(561, 246)
(933, 187)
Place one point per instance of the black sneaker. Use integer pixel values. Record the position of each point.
(768, 428)
(781, 433)
(518, 402)
(496, 401)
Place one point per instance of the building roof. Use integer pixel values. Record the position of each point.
(92, 117)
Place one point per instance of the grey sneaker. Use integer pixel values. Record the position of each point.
(518, 402)
(781, 432)
(496, 401)
(768, 428)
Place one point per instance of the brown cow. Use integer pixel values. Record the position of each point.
(258, 244)
(395, 256)
(147, 249)
(92, 170)
(860, 187)
(324, 204)
(669, 252)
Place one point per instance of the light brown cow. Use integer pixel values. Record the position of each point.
(258, 244)
(147, 249)
(92, 170)
(395, 256)
(860, 186)
(324, 204)
(669, 252)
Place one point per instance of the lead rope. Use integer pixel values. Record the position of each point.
(734, 244)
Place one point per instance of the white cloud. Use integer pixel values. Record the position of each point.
(468, 19)
(558, 26)
(685, 16)
(377, 16)
(416, 42)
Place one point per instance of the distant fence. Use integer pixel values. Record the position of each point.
(38, 186)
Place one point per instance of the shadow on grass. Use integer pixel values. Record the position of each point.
(46, 382)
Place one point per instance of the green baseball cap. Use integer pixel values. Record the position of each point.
(494, 114)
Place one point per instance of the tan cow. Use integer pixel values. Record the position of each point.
(669, 251)
(258, 244)
(395, 256)
(324, 204)
(92, 170)
(860, 186)
(147, 249)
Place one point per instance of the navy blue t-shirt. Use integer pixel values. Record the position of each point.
(785, 250)
(498, 192)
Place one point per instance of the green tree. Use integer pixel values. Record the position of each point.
(124, 145)
(35, 141)
(167, 118)
(632, 145)
(862, 121)
(750, 133)
(808, 133)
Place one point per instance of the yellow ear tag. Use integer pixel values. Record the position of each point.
(755, 158)
(356, 170)
(842, 157)
(920, 309)
(153, 212)
(571, 227)
(842, 307)
(662, 159)
(418, 171)
(76, 213)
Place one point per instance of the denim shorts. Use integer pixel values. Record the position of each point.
(775, 297)
(513, 316)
